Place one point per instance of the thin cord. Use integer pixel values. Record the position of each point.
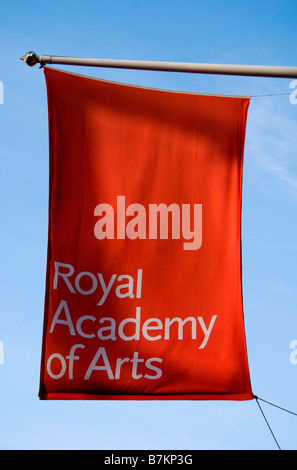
(276, 406)
(267, 423)
(271, 94)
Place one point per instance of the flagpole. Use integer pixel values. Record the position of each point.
(31, 58)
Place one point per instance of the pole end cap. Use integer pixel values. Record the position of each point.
(31, 58)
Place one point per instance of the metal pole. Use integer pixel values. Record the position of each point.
(217, 69)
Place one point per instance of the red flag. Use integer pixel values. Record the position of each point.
(143, 293)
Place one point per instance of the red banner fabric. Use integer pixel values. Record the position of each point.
(143, 292)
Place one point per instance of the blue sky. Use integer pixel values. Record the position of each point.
(235, 31)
